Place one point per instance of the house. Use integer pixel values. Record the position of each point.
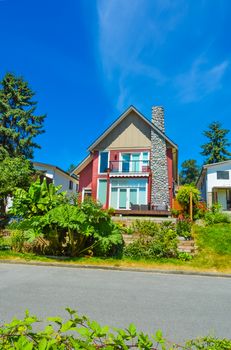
(132, 165)
(215, 184)
(57, 176)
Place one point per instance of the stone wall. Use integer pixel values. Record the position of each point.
(159, 166)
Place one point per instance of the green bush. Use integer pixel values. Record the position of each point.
(69, 230)
(216, 217)
(183, 228)
(183, 197)
(158, 242)
(145, 227)
(80, 333)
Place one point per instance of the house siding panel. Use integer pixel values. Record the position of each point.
(132, 132)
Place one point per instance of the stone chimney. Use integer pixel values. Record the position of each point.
(158, 117)
(159, 165)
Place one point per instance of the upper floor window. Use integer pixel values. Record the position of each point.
(222, 175)
(103, 162)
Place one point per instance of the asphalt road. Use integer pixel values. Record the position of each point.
(182, 306)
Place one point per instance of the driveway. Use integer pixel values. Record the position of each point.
(182, 306)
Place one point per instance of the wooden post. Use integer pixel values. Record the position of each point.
(191, 206)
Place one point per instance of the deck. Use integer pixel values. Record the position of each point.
(142, 212)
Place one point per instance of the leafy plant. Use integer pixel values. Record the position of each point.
(80, 333)
(216, 216)
(146, 227)
(38, 200)
(183, 228)
(183, 197)
(158, 242)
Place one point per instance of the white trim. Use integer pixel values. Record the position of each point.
(83, 191)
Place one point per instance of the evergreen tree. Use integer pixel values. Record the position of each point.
(189, 172)
(18, 124)
(216, 149)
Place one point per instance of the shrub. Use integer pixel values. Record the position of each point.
(70, 230)
(159, 242)
(146, 227)
(183, 228)
(183, 197)
(79, 332)
(215, 216)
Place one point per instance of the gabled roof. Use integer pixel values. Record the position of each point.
(122, 117)
(45, 165)
(207, 166)
(87, 159)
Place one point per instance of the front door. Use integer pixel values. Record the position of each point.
(222, 198)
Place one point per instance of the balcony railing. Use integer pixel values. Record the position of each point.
(131, 167)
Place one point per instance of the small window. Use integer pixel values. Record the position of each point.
(77, 187)
(222, 175)
(70, 185)
(103, 162)
(86, 193)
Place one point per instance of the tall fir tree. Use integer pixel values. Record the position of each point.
(18, 123)
(189, 172)
(216, 148)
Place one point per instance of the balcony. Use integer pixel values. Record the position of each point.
(131, 167)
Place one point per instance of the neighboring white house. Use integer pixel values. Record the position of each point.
(69, 183)
(215, 184)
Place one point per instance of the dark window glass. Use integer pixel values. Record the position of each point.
(70, 185)
(103, 162)
(77, 187)
(224, 175)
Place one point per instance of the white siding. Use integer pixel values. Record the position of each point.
(212, 180)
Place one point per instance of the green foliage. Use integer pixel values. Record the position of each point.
(216, 148)
(216, 238)
(215, 215)
(79, 332)
(71, 230)
(183, 228)
(154, 242)
(184, 256)
(183, 197)
(146, 227)
(37, 200)
(209, 343)
(14, 172)
(189, 172)
(18, 123)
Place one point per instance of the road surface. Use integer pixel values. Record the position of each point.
(182, 306)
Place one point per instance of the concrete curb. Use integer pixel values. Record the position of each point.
(117, 268)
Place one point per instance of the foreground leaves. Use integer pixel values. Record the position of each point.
(78, 332)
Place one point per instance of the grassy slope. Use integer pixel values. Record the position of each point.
(214, 254)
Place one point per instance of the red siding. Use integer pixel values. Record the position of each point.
(85, 177)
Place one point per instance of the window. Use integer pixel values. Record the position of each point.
(77, 187)
(103, 162)
(102, 191)
(70, 185)
(222, 175)
(86, 193)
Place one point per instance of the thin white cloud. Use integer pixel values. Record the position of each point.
(130, 34)
(200, 80)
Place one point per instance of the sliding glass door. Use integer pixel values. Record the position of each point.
(127, 192)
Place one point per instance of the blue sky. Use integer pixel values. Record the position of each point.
(88, 60)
